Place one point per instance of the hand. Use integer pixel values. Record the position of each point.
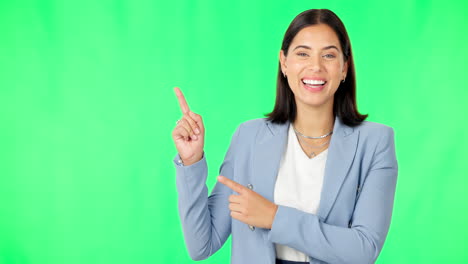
(249, 207)
(189, 133)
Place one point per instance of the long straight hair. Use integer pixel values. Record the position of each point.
(344, 105)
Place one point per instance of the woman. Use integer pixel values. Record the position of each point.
(312, 183)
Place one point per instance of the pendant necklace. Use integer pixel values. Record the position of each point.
(312, 154)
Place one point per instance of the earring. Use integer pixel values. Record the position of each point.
(344, 79)
(284, 74)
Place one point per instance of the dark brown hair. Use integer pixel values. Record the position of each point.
(344, 105)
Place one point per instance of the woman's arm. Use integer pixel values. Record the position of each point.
(206, 221)
(363, 241)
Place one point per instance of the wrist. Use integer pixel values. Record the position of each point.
(196, 158)
(274, 210)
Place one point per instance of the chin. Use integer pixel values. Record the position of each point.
(316, 99)
(313, 102)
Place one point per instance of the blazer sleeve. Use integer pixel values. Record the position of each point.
(206, 221)
(363, 241)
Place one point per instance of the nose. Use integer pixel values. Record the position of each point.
(314, 63)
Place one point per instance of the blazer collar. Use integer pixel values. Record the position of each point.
(271, 146)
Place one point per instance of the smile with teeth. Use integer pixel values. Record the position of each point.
(313, 83)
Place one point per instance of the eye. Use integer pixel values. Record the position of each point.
(302, 54)
(329, 56)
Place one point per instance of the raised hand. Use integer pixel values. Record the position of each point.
(189, 133)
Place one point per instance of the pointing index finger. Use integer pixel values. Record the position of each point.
(238, 188)
(183, 104)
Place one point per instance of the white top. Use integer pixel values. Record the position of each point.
(298, 185)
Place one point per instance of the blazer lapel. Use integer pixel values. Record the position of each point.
(341, 152)
(267, 156)
(271, 145)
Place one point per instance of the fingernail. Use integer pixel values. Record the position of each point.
(197, 131)
(194, 137)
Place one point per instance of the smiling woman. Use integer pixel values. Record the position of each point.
(311, 183)
(305, 61)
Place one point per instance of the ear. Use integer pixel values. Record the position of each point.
(345, 69)
(282, 61)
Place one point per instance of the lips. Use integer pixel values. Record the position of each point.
(313, 84)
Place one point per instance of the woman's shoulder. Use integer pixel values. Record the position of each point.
(372, 127)
(246, 132)
(252, 126)
(249, 129)
(254, 123)
(374, 131)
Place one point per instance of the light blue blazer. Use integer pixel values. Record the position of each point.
(355, 209)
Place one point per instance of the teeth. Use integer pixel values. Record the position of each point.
(313, 82)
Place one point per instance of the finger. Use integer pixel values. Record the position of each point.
(185, 124)
(192, 123)
(182, 102)
(236, 208)
(238, 216)
(198, 119)
(181, 132)
(235, 199)
(231, 184)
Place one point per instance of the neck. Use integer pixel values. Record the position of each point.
(314, 121)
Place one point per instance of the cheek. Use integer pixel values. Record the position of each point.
(335, 69)
(295, 64)
(294, 70)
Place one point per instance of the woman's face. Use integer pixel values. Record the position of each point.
(314, 66)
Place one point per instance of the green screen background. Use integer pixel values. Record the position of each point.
(87, 110)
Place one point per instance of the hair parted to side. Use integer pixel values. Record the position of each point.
(344, 105)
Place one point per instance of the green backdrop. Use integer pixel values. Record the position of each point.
(87, 110)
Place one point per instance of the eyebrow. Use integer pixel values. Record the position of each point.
(307, 47)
